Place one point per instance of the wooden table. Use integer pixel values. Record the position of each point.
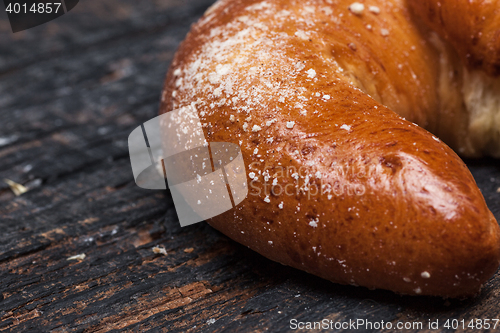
(71, 91)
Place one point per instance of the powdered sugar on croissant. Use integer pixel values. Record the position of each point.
(315, 93)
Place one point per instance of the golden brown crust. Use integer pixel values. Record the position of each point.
(472, 27)
(288, 81)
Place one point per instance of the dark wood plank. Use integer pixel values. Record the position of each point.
(91, 24)
(70, 93)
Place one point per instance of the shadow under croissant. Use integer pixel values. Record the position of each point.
(356, 298)
(281, 290)
(282, 284)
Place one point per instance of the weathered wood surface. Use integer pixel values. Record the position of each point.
(70, 93)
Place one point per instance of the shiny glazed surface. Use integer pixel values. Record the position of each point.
(310, 93)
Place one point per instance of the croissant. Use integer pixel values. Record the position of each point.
(324, 98)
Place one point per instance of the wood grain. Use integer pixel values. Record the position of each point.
(70, 93)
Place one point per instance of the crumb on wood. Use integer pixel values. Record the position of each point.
(18, 189)
(189, 250)
(159, 250)
(80, 256)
